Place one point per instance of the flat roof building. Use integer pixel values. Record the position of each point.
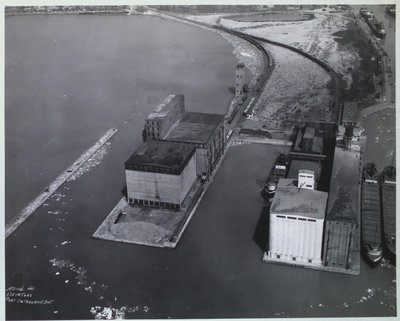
(341, 248)
(160, 157)
(206, 132)
(163, 117)
(296, 225)
(309, 142)
(298, 164)
(350, 113)
(160, 174)
(195, 128)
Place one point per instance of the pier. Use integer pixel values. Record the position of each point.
(26, 212)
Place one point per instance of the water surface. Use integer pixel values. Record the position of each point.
(70, 78)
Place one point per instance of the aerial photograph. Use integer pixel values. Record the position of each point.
(199, 161)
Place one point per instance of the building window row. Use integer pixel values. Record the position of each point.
(278, 256)
(149, 203)
(154, 169)
(296, 218)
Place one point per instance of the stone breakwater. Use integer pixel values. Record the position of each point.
(26, 212)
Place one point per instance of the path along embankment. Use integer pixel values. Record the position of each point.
(26, 212)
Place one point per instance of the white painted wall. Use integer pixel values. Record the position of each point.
(295, 238)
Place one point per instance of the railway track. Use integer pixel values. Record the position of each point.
(339, 83)
(268, 67)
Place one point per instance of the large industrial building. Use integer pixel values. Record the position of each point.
(308, 144)
(164, 116)
(204, 131)
(296, 227)
(178, 148)
(160, 174)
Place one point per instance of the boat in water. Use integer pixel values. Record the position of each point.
(388, 203)
(391, 10)
(365, 14)
(376, 26)
(278, 171)
(370, 214)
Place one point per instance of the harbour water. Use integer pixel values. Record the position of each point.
(113, 70)
(71, 78)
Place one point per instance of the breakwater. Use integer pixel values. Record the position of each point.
(26, 212)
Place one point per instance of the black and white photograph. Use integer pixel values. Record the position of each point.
(197, 161)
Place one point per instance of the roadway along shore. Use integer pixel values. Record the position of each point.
(26, 212)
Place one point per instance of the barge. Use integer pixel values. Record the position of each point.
(388, 205)
(278, 171)
(376, 26)
(370, 214)
(391, 10)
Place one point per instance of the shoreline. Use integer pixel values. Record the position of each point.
(253, 64)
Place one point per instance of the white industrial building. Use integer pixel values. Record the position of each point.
(296, 223)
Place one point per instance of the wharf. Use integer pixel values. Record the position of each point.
(158, 227)
(26, 212)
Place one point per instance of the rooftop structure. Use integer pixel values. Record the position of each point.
(195, 128)
(160, 157)
(297, 164)
(309, 133)
(306, 179)
(291, 200)
(308, 142)
(350, 113)
(159, 122)
(343, 192)
(165, 107)
(342, 232)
